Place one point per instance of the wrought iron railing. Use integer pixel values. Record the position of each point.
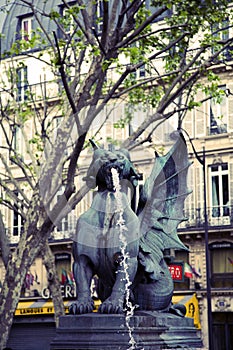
(217, 129)
(63, 232)
(41, 91)
(216, 216)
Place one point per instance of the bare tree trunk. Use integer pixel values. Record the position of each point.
(17, 268)
(53, 281)
(4, 242)
(9, 297)
(29, 247)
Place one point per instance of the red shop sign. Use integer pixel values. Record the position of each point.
(177, 271)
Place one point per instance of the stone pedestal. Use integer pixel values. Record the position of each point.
(146, 331)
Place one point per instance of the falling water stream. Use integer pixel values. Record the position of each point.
(129, 307)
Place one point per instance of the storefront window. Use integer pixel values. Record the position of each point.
(64, 270)
(182, 256)
(222, 331)
(222, 264)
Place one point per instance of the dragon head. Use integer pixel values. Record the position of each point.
(100, 170)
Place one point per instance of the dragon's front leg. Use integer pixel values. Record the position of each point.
(83, 274)
(115, 303)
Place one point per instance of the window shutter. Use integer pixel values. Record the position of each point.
(190, 199)
(199, 193)
(119, 134)
(200, 124)
(188, 123)
(231, 183)
(230, 109)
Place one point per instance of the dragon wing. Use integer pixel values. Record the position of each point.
(161, 202)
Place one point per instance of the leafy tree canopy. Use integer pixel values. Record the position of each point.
(96, 53)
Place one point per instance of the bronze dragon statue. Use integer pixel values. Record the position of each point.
(147, 233)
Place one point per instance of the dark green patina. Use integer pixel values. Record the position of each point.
(148, 233)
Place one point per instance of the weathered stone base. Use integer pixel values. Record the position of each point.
(150, 330)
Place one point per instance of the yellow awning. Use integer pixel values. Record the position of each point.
(26, 308)
(45, 307)
(192, 307)
(41, 307)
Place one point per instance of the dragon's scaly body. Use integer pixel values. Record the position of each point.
(98, 243)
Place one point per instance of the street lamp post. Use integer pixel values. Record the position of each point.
(202, 161)
(207, 255)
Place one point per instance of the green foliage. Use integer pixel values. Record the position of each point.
(112, 141)
(192, 104)
(174, 40)
(149, 65)
(190, 21)
(24, 113)
(122, 122)
(141, 17)
(37, 141)
(54, 14)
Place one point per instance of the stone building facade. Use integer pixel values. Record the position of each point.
(210, 137)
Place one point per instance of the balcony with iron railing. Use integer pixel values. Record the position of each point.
(64, 231)
(217, 216)
(46, 90)
(217, 129)
(49, 90)
(38, 92)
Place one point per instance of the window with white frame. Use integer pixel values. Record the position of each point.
(17, 144)
(26, 28)
(17, 219)
(218, 114)
(153, 8)
(62, 225)
(219, 190)
(22, 83)
(221, 32)
(68, 19)
(99, 16)
(140, 73)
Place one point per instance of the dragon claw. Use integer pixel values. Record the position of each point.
(81, 307)
(111, 307)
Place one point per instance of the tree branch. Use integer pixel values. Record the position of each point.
(4, 242)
